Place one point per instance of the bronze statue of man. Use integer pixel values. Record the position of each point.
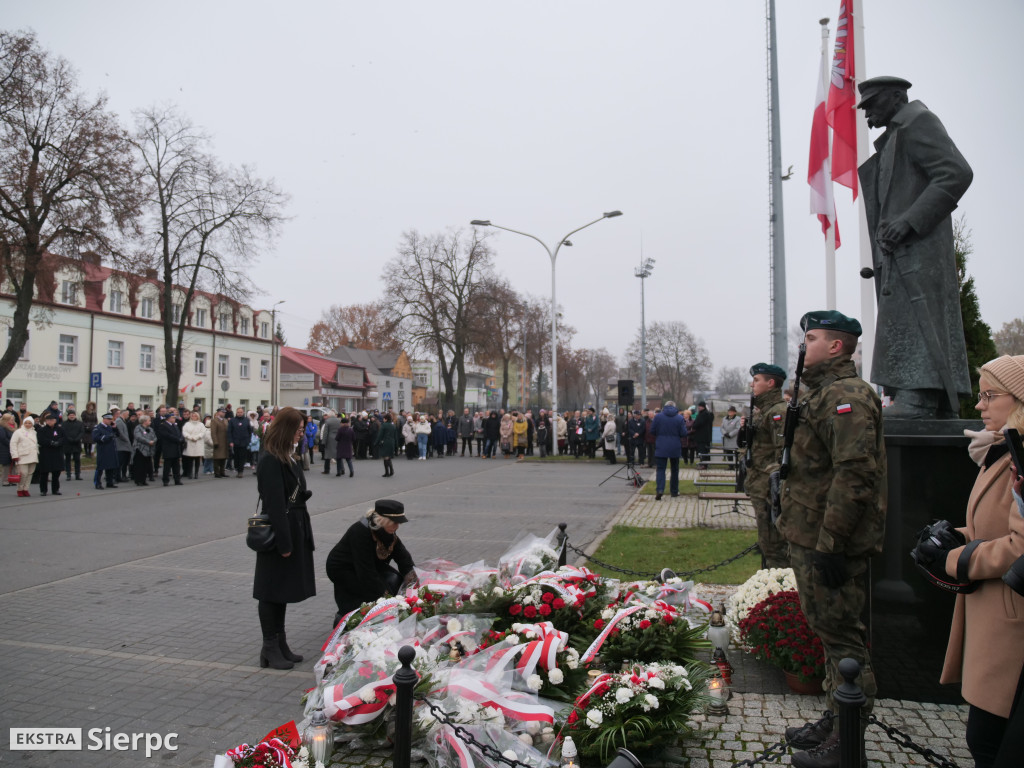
(911, 186)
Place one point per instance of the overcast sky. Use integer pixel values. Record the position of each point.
(382, 117)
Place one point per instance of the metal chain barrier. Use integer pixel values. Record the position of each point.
(905, 741)
(645, 575)
(776, 751)
(465, 736)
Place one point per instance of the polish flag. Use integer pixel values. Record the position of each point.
(841, 112)
(822, 202)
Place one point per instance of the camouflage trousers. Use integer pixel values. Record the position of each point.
(774, 548)
(834, 615)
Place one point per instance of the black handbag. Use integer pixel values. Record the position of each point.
(259, 533)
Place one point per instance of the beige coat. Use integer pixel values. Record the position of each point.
(986, 641)
(25, 445)
(219, 432)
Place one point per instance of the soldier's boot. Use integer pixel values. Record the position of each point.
(809, 735)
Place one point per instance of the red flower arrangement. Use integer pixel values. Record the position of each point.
(776, 631)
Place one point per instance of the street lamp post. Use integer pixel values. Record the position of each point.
(553, 255)
(273, 355)
(643, 272)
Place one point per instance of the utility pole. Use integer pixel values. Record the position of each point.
(643, 272)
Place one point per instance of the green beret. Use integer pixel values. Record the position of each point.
(767, 369)
(830, 320)
(875, 85)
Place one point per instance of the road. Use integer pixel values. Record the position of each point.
(131, 609)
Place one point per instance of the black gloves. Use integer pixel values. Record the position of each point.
(832, 567)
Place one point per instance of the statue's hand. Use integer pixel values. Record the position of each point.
(892, 233)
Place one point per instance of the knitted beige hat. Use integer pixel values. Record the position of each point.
(1008, 372)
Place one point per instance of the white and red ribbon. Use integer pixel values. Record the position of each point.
(511, 705)
(595, 646)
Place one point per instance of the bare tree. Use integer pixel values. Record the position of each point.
(598, 367)
(435, 304)
(366, 326)
(500, 336)
(205, 222)
(1010, 338)
(66, 176)
(573, 382)
(732, 381)
(677, 361)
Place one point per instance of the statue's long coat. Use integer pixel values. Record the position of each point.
(916, 174)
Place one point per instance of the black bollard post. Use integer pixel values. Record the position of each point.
(562, 548)
(405, 680)
(850, 700)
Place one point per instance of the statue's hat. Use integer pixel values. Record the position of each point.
(875, 85)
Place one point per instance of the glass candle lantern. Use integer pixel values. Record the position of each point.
(319, 738)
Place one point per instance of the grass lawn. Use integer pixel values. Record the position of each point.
(582, 459)
(681, 549)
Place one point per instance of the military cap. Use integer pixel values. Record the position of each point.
(107, 415)
(875, 85)
(767, 369)
(830, 320)
(391, 509)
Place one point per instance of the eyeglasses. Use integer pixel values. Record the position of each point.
(986, 397)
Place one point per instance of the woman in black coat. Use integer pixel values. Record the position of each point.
(360, 564)
(285, 573)
(51, 453)
(74, 433)
(343, 439)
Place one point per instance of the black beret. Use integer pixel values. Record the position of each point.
(767, 369)
(391, 509)
(830, 320)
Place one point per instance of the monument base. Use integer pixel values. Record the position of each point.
(930, 478)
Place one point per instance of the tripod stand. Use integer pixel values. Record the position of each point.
(632, 476)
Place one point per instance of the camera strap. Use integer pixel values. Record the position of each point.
(964, 561)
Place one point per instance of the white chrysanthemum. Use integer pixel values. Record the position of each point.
(572, 662)
(651, 590)
(509, 754)
(368, 695)
(534, 682)
(498, 592)
(454, 625)
(651, 700)
(594, 718)
(512, 639)
(623, 695)
(555, 676)
(303, 753)
(650, 613)
(607, 613)
(475, 597)
(656, 682)
(527, 599)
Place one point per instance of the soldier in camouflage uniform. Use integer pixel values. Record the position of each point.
(833, 509)
(767, 422)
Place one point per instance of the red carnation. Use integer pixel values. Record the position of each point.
(530, 611)
(599, 623)
(558, 603)
(573, 717)
(515, 609)
(544, 610)
(645, 624)
(547, 597)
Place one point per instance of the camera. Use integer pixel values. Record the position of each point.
(1014, 577)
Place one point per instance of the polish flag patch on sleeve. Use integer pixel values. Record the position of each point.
(844, 408)
(777, 417)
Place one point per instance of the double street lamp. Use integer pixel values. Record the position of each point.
(553, 254)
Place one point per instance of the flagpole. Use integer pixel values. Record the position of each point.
(830, 236)
(867, 287)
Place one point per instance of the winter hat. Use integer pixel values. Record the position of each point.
(1007, 372)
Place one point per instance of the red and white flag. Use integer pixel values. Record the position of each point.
(822, 202)
(841, 112)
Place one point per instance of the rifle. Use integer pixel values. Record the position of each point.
(746, 437)
(792, 415)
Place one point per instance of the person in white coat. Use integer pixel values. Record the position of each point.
(731, 432)
(25, 453)
(194, 432)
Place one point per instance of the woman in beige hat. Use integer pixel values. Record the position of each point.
(986, 642)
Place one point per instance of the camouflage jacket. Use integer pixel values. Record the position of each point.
(768, 420)
(834, 499)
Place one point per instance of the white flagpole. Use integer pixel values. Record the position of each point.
(867, 287)
(830, 236)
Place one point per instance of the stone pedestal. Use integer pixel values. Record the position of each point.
(930, 478)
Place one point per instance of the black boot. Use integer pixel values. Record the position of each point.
(285, 650)
(271, 656)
